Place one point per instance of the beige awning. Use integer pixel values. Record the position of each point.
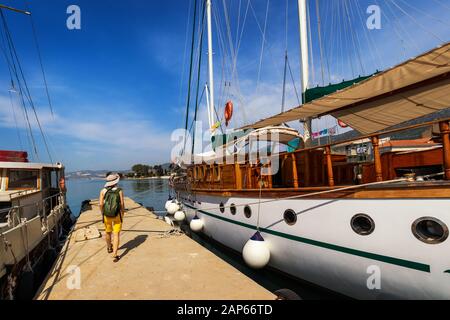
(416, 88)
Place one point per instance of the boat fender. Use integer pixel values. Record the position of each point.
(256, 252)
(172, 208)
(180, 216)
(196, 224)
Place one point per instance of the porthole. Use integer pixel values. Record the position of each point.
(248, 212)
(222, 207)
(362, 224)
(233, 209)
(430, 230)
(290, 217)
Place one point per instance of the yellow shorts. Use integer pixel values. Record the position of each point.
(113, 224)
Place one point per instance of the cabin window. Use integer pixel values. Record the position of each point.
(233, 209)
(23, 179)
(430, 230)
(290, 217)
(248, 212)
(46, 179)
(54, 179)
(362, 224)
(222, 207)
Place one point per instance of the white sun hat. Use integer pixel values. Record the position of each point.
(112, 180)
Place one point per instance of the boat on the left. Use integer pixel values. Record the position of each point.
(34, 220)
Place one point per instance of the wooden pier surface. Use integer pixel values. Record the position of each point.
(154, 265)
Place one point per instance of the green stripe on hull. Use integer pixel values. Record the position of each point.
(399, 262)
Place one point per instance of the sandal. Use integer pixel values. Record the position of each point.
(116, 259)
(110, 249)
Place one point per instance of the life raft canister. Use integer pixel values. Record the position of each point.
(342, 124)
(228, 112)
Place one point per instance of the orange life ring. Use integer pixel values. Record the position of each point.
(228, 112)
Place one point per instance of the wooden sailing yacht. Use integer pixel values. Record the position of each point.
(342, 214)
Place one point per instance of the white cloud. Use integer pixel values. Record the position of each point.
(97, 136)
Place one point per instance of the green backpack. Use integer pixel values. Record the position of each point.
(112, 203)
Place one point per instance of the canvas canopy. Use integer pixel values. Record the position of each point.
(413, 89)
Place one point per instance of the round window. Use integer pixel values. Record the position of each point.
(290, 217)
(248, 212)
(233, 209)
(430, 230)
(222, 207)
(362, 224)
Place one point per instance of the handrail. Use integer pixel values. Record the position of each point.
(31, 204)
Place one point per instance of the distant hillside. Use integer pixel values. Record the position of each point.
(87, 174)
(101, 174)
(90, 174)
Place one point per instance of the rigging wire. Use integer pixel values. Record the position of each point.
(293, 83)
(415, 21)
(15, 72)
(183, 70)
(38, 49)
(198, 77)
(190, 75)
(425, 13)
(15, 118)
(396, 18)
(373, 49)
(442, 4)
(262, 46)
(27, 91)
(319, 33)
(355, 38)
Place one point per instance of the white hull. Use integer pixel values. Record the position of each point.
(323, 249)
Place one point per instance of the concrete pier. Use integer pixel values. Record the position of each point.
(155, 265)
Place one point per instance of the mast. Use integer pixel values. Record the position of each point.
(304, 60)
(210, 65)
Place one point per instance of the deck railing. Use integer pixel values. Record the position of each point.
(207, 176)
(43, 208)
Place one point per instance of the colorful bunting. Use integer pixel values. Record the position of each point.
(326, 132)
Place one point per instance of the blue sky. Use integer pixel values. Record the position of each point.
(118, 85)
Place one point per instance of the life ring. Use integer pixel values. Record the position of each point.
(228, 112)
(342, 124)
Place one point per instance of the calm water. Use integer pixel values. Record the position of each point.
(154, 193)
(150, 193)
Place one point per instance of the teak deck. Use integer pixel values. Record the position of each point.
(152, 267)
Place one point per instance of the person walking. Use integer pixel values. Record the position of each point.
(112, 207)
